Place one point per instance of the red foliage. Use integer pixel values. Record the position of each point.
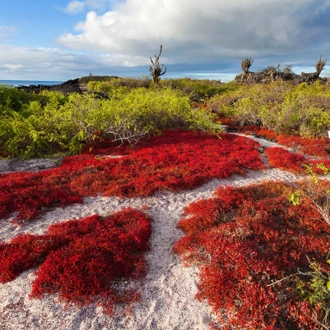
(103, 146)
(207, 213)
(314, 147)
(226, 121)
(25, 252)
(29, 193)
(293, 162)
(286, 160)
(267, 133)
(81, 259)
(245, 238)
(175, 161)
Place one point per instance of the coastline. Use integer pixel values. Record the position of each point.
(19, 83)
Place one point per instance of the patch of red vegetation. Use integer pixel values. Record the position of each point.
(226, 121)
(175, 161)
(314, 147)
(245, 238)
(292, 161)
(30, 193)
(81, 260)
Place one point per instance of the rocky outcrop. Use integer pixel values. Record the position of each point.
(70, 86)
(309, 77)
(272, 75)
(78, 85)
(266, 76)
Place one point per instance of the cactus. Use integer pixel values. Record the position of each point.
(245, 64)
(155, 68)
(319, 65)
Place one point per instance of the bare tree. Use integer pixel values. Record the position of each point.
(246, 64)
(319, 65)
(156, 69)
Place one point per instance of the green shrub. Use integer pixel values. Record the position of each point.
(128, 116)
(66, 123)
(13, 99)
(280, 106)
(108, 86)
(42, 130)
(316, 291)
(196, 89)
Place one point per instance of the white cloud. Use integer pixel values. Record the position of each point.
(6, 32)
(125, 60)
(9, 67)
(193, 30)
(198, 37)
(45, 63)
(78, 6)
(75, 7)
(55, 64)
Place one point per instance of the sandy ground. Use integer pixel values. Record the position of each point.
(167, 293)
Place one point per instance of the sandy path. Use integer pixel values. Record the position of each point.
(167, 294)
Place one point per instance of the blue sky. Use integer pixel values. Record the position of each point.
(65, 39)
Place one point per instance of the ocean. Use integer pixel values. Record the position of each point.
(17, 83)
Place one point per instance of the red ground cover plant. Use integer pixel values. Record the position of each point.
(226, 121)
(292, 161)
(82, 260)
(30, 193)
(243, 239)
(314, 147)
(175, 161)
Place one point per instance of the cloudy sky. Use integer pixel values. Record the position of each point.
(62, 39)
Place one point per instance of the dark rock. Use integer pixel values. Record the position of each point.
(271, 75)
(70, 86)
(78, 85)
(266, 76)
(309, 77)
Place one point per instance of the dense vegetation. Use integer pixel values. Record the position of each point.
(51, 122)
(128, 109)
(175, 161)
(280, 106)
(262, 249)
(82, 259)
(263, 260)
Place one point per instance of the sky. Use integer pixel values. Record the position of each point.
(58, 40)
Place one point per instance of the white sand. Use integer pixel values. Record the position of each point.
(167, 294)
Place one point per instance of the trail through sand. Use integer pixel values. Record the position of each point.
(167, 293)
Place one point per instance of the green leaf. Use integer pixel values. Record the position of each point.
(295, 198)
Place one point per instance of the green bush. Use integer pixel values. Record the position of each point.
(13, 99)
(315, 291)
(108, 86)
(128, 116)
(245, 103)
(66, 123)
(280, 106)
(41, 130)
(198, 90)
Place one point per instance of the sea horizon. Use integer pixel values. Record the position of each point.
(18, 83)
